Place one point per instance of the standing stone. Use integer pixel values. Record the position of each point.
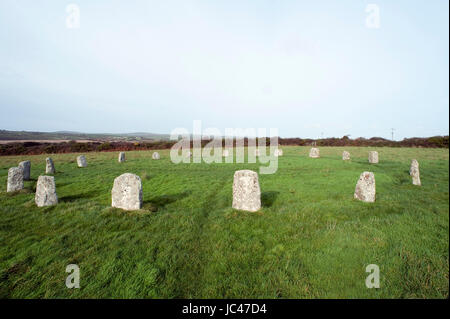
(15, 179)
(81, 161)
(49, 167)
(414, 166)
(156, 156)
(45, 191)
(225, 153)
(246, 191)
(257, 152)
(127, 192)
(373, 157)
(278, 152)
(415, 173)
(121, 157)
(365, 187)
(314, 153)
(26, 167)
(345, 156)
(189, 154)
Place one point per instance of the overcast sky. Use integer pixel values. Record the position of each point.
(305, 67)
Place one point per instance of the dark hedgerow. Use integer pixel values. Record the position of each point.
(34, 148)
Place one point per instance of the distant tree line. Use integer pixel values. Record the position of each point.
(34, 148)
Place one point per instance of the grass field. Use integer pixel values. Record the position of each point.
(311, 239)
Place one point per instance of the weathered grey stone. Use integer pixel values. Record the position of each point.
(15, 179)
(45, 191)
(278, 152)
(26, 168)
(156, 156)
(127, 192)
(246, 191)
(415, 173)
(81, 161)
(121, 157)
(345, 156)
(365, 187)
(189, 154)
(49, 166)
(314, 152)
(225, 153)
(373, 157)
(414, 165)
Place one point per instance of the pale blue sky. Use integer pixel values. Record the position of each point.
(304, 67)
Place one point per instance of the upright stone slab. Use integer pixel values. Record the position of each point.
(225, 153)
(278, 152)
(314, 153)
(415, 173)
(121, 157)
(49, 166)
(45, 191)
(26, 168)
(414, 166)
(127, 192)
(81, 161)
(156, 156)
(257, 152)
(246, 191)
(345, 156)
(15, 179)
(365, 187)
(373, 157)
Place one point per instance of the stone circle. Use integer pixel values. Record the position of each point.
(246, 191)
(81, 161)
(365, 187)
(46, 191)
(15, 179)
(278, 152)
(345, 156)
(127, 192)
(373, 157)
(156, 156)
(415, 173)
(314, 153)
(49, 166)
(26, 168)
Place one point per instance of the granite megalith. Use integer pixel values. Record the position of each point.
(246, 191)
(365, 187)
(46, 191)
(127, 192)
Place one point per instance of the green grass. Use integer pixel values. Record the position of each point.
(311, 239)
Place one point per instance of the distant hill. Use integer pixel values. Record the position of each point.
(69, 135)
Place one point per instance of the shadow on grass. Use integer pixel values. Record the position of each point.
(74, 197)
(161, 201)
(268, 198)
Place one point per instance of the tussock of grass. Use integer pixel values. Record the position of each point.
(311, 238)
